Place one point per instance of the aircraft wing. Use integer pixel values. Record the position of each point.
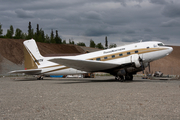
(85, 65)
(28, 72)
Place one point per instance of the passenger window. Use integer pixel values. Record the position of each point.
(113, 56)
(98, 59)
(136, 51)
(105, 57)
(120, 54)
(128, 53)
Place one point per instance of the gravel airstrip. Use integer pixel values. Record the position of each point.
(100, 98)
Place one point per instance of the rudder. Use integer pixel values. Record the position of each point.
(32, 55)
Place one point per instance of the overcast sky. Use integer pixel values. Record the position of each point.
(122, 21)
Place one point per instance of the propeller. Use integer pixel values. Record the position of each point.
(142, 64)
(149, 67)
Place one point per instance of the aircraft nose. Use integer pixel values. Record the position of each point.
(170, 50)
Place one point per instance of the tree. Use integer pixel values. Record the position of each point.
(92, 44)
(81, 44)
(30, 31)
(112, 45)
(1, 30)
(18, 34)
(40, 37)
(57, 39)
(106, 43)
(37, 30)
(71, 42)
(10, 32)
(47, 39)
(52, 37)
(64, 42)
(100, 46)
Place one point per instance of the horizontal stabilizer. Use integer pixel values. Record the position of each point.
(28, 72)
(85, 65)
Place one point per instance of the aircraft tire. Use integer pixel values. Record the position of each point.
(120, 78)
(129, 77)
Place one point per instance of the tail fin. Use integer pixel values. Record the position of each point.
(32, 55)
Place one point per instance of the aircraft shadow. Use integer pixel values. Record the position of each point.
(85, 80)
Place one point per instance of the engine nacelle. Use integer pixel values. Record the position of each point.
(135, 59)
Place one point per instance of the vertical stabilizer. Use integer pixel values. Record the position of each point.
(32, 55)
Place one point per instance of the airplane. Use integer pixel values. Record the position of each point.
(122, 62)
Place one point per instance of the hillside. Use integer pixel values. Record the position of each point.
(11, 55)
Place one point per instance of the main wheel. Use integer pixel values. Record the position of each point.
(129, 77)
(120, 78)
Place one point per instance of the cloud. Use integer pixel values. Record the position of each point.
(171, 10)
(148, 30)
(171, 23)
(99, 31)
(120, 20)
(126, 39)
(164, 38)
(23, 14)
(130, 32)
(92, 15)
(158, 2)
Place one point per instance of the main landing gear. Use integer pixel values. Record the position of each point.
(40, 77)
(124, 78)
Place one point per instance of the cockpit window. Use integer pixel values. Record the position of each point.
(160, 44)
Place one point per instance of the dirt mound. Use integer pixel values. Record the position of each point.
(169, 64)
(12, 50)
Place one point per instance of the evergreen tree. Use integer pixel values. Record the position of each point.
(42, 35)
(81, 44)
(30, 31)
(106, 43)
(57, 38)
(1, 30)
(72, 42)
(52, 37)
(64, 42)
(10, 32)
(37, 30)
(92, 44)
(47, 39)
(100, 46)
(112, 45)
(69, 41)
(18, 34)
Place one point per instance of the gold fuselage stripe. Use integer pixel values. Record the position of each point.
(56, 69)
(124, 53)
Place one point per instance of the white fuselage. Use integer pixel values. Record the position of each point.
(147, 51)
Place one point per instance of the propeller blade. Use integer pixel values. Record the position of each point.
(142, 65)
(149, 67)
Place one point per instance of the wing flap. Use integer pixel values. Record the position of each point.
(85, 65)
(28, 72)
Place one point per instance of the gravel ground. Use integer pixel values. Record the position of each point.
(100, 98)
